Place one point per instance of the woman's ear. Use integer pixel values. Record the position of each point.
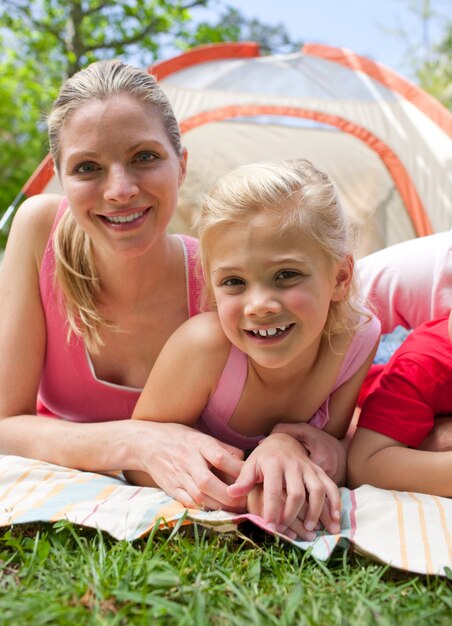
(343, 277)
(183, 166)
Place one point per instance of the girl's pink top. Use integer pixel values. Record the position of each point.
(216, 415)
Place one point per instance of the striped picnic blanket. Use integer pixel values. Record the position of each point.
(409, 531)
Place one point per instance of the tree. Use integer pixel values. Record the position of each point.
(429, 58)
(435, 74)
(77, 32)
(232, 25)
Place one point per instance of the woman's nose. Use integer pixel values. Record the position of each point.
(120, 185)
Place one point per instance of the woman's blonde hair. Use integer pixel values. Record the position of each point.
(300, 197)
(75, 267)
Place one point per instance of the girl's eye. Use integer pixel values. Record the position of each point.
(232, 282)
(287, 275)
(86, 168)
(145, 157)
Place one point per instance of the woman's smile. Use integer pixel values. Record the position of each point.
(126, 221)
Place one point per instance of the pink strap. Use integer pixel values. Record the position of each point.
(230, 386)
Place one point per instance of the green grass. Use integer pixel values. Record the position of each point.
(69, 576)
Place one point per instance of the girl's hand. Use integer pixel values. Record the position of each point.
(183, 462)
(324, 450)
(297, 530)
(297, 493)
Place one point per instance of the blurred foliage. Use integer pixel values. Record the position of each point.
(435, 74)
(231, 25)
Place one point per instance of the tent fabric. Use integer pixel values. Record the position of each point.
(385, 142)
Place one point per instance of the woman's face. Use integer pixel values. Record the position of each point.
(120, 173)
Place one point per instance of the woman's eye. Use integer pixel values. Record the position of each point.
(86, 168)
(145, 157)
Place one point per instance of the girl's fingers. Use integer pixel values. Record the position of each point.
(324, 500)
(297, 530)
(273, 493)
(295, 497)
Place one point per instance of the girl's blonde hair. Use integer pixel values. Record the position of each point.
(75, 267)
(300, 197)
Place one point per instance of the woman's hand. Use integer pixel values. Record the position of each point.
(183, 462)
(324, 450)
(287, 489)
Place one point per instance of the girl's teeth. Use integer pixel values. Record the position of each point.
(271, 332)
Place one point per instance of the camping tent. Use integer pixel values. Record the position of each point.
(385, 142)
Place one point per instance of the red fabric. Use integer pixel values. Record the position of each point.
(371, 380)
(413, 388)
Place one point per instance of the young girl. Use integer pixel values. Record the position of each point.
(288, 341)
(413, 391)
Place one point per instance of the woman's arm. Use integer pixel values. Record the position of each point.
(179, 458)
(22, 323)
(383, 462)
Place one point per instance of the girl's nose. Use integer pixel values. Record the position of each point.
(262, 302)
(120, 185)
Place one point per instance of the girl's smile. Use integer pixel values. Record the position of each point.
(272, 291)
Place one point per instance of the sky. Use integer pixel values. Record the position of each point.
(368, 27)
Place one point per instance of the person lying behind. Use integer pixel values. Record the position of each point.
(412, 393)
(289, 340)
(410, 282)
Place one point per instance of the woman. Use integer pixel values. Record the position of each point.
(81, 345)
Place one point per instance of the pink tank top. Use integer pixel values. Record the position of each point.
(69, 387)
(218, 411)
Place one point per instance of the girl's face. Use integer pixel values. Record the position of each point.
(120, 173)
(272, 291)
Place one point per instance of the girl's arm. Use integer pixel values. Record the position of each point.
(328, 447)
(185, 373)
(383, 462)
(342, 403)
(323, 449)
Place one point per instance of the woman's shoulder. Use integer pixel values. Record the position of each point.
(33, 222)
(38, 213)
